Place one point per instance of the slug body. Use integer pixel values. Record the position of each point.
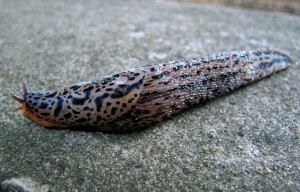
(139, 97)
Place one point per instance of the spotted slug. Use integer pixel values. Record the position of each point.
(141, 96)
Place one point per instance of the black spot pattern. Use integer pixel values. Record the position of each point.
(98, 101)
(58, 106)
(80, 101)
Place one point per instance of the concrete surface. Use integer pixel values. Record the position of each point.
(248, 140)
(287, 6)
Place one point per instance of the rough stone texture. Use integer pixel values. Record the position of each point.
(23, 184)
(248, 140)
(287, 6)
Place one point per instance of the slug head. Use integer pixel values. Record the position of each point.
(26, 108)
(86, 105)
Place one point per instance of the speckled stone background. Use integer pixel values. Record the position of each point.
(247, 140)
(287, 6)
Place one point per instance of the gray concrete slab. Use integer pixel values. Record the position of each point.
(248, 140)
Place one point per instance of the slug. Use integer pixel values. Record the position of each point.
(139, 97)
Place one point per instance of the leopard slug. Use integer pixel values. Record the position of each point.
(138, 97)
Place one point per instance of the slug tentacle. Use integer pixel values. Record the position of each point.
(139, 97)
(25, 92)
(17, 98)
